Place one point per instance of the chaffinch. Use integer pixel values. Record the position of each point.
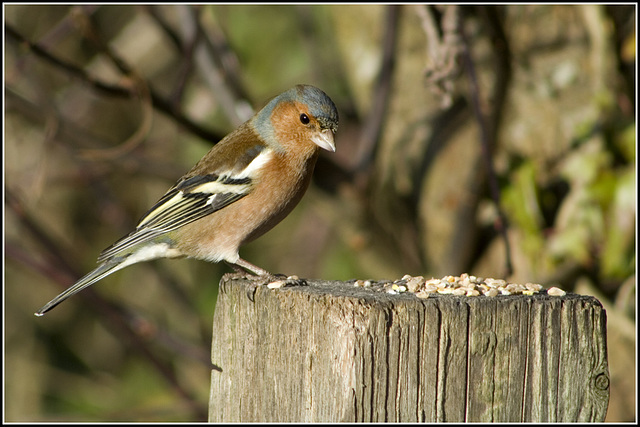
(244, 186)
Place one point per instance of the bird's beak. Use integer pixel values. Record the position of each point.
(324, 139)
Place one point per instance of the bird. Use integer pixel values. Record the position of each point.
(246, 184)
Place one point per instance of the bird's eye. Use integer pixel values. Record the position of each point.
(304, 119)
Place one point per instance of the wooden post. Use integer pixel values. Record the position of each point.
(332, 352)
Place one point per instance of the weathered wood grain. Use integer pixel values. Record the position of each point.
(332, 352)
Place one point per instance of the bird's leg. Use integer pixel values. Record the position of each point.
(245, 270)
(241, 264)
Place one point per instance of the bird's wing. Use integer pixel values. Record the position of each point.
(189, 200)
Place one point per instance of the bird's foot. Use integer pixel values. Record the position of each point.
(272, 281)
(260, 277)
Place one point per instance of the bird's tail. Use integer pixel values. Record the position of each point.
(99, 273)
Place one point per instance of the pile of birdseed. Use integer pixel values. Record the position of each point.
(463, 285)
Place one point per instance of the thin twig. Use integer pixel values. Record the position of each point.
(237, 110)
(372, 125)
(154, 12)
(487, 139)
(82, 18)
(228, 61)
(137, 137)
(63, 28)
(443, 52)
(185, 50)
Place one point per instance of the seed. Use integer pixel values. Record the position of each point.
(465, 284)
(430, 288)
(414, 283)
(533, 287)
(275, 285)
(514, 288)
(556, 292)
(494, 283)
(493, 292)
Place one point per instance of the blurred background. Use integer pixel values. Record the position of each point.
(494, 140)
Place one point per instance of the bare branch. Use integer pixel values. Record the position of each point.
(443, 52)
(111, 89)
(487, 138)
(372, 125)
